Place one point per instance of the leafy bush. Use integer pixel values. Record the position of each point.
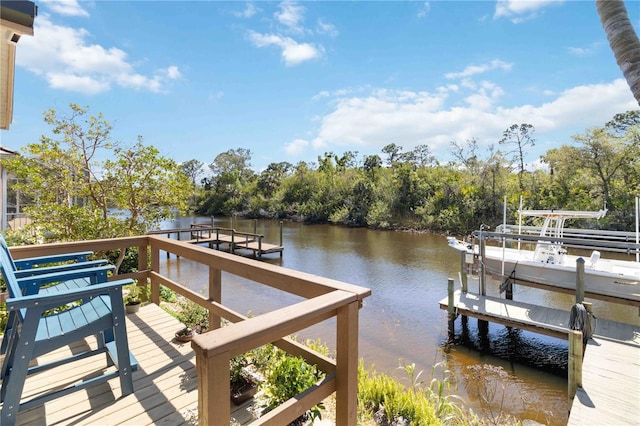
(287, 376)
(193, 316)
(168, 295)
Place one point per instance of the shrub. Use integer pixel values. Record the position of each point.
(193, 315)
(168, 295)
(287, 376)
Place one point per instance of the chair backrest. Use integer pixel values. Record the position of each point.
(8, 273)
(5, 248)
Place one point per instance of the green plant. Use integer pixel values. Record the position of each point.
(391, 402)
(286, 377)
(193, 316)
(134, 295)
(168, 295)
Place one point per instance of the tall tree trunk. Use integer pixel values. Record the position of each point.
(623, 41)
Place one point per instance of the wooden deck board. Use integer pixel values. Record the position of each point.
(610, 393)
(541, 319)
(165, 384)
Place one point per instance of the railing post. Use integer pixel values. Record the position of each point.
(347, 365)
(255, 226)
(463, 270)
(281, 239)
(215, 294)
(214, 408)
(575, 363)
(579, 280)
(451, 309)
(483, 273)
(155, 267)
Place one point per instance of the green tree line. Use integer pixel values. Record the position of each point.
(80, 184)
(412, 189)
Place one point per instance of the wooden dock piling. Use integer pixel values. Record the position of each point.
(451, 309)
(575, 363)
(579, 280)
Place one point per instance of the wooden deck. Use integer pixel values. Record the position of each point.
(165, 383)
(610, 392)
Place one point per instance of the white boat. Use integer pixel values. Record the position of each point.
(550, 263)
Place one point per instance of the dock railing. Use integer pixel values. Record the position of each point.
(323, 298)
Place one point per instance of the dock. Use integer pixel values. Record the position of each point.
(608, 391)
(226, 239)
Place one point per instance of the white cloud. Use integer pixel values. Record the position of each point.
(296, 147)
(456, 113)
(249, 10)
(66, 7)
(519, 11)
(472, 70)
(291, 15)
(585, 51)
(326, 28)
(64, 58)
(424, 9)
(293, 53)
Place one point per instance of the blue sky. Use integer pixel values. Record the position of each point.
(292, 80)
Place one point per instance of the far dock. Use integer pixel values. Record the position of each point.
(227, 239)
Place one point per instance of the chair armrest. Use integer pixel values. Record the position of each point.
(44, 301)
(59, 268)
(30, 262)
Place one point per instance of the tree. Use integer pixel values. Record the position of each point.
(521, 137)
(623, 41)
(76, 193)
(371, 164)
(192, 169)
(606, 155)
(393, 152)
(233, 160)
(230, 192)
(146, 185)
(271, 178)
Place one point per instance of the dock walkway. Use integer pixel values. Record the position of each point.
(610, 392)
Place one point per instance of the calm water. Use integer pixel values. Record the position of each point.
(402, 322)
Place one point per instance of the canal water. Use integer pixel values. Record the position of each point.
(401, 322)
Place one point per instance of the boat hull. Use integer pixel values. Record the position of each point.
(622, 281)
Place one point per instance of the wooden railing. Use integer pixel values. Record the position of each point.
(324, 299)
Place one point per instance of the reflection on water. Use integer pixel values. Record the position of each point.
(401, 322)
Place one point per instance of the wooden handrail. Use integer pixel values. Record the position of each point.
(326, 298)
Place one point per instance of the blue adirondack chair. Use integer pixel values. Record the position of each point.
(96, 309)
(33, 266)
